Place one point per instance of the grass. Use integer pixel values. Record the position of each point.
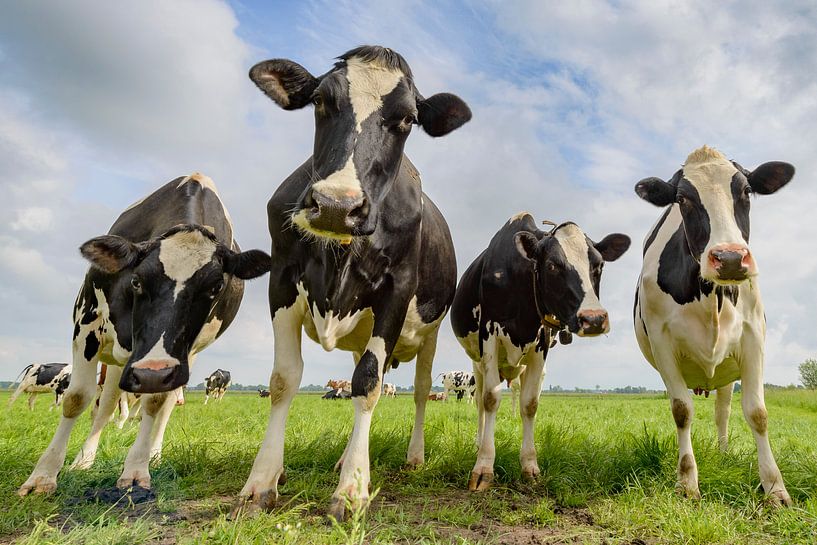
(608, 474)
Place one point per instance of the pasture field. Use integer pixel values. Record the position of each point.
(608, 473)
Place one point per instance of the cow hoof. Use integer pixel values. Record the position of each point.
(413, 462)
(780, 498)
(530, 473)
(251, 506)
(687, 492)
(337, 509)
(480, 480)
(38, 485)
(123, 483)
(339, 465)
(82, 463)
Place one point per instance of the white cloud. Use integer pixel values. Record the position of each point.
(35, 218)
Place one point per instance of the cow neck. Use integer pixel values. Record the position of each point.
(547, 320)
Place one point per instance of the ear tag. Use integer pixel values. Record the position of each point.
(346, 241)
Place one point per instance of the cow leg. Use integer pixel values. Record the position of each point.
(206, 396)
(422, 387)
(107, 405)
(531, 387)
(261, 488)
(79, 394)
(515, 388)
(151, 430)
(18, 391)
(124, 410)
(483, 473)
(480, 405)
(723, 406)
(31, 399)
(136, 407)
(682, 413)
(754, 411)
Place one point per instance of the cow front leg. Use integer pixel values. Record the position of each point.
(79, 394)
(107, 405)
(137, 463)
(682, 412)
(723, 407)
(754, 411)
(530, 389)
(260, 492)
(482, 476)
(422, 387)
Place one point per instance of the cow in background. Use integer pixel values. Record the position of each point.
(40, 378)
(216, 385)
(263, 393)
(699, 317)
(461, 383)
(164, 283)
(389, 389)
(339, 384)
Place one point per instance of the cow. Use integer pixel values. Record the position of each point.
(216, 384)
(164, 283)
(461, 383)
(339, 384)
(362, 259)
(699, 318)
(39, 378)
(437, 396)
(510, 303)
(263, 393)
(337, 393)
(389, 389)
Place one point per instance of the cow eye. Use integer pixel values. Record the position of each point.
(747, 191)
(136, 284)
(215, 290)
(317, 100)
(551, 266)
(681, 200)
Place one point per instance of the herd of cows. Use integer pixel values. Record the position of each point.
(362, 260)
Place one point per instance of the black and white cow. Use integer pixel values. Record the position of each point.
(527, 285)
(363, 260)
(163, 285)
(389, 389)
(40, 378)
(698, 314)
(216, 384)
(461, 383)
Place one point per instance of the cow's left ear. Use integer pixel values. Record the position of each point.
(111, 253)
(288, 83)
(247, 265)
(769, 177)
(442, 113)
(613, 246)
(526, 244)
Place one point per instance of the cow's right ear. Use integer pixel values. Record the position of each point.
(526, 245)
(111, 253)
(288, 83)
(656, 191)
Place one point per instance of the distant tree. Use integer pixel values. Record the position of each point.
(808, 373)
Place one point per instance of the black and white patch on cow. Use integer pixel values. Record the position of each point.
(163, 284)
(216, 385)
(510, 303)
(42, 378)
(363, 260)
(699, 317)
(461, 383)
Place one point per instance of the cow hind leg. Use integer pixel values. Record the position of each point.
(480, 406)
(422, 387)
(124, 410)
(107, 405)
(31, 399)
(723, 407)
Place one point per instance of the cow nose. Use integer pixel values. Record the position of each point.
(593, 322)
(153, 376)
(343, 214)
(730, 261)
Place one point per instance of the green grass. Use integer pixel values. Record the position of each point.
(608, 473)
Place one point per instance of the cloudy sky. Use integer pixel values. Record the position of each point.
(573, 102)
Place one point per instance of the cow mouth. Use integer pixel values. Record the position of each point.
(153, 377)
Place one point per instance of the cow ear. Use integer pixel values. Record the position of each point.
(442, 113)
(656, 191)
(769, 177)
(613, 246)
(526, 245)
(288, 83)
(247, 265)
(111, 253)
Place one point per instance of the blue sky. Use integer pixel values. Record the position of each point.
(573, 103)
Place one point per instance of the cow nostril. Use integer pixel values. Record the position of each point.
(309, 201)
(360, 211)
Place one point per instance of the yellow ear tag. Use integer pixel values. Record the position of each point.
(346, 241)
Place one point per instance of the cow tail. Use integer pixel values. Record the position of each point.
(22, 373)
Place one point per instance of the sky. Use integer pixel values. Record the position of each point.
(573, 103)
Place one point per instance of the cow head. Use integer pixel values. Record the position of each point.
(568, 269)
(174, 282)
(713, 197)
(365, 107)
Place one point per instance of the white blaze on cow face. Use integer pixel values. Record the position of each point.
(369, 82)
(711, 174)
(183, 254)
(574, 244)
(157, 357)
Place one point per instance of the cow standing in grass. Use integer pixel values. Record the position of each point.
(363, 260)
(163, 285)
(461, 383)
(527, 285)
(699, 318)
(216, 385)
(389, 389)
(40, 378)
